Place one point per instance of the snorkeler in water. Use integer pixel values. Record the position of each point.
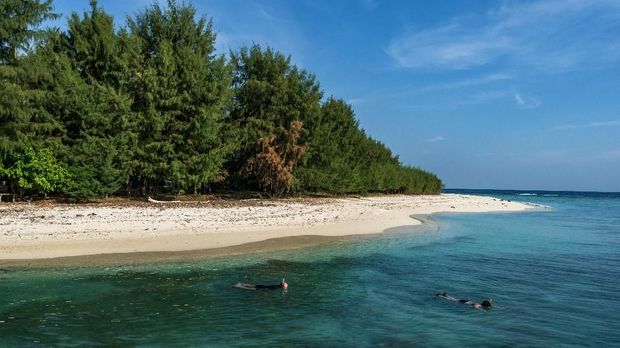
(486, 304)
(283, 285)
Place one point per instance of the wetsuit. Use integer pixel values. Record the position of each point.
(267, 287)
(459, 300)
(247, 286)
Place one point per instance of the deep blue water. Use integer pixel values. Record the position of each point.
(554, 277)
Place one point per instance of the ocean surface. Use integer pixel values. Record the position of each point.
(554, 277)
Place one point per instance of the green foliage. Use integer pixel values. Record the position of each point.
(38, 171)
(23, 120)
(343, 159)
(269, 94)
(92, 168)
(18, 21)
(180, 90)
(94, 47)
(151, 107)
(91, 101)
(334, 153)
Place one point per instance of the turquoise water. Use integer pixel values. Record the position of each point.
(554, 277)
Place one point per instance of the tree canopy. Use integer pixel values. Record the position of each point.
(149, 107)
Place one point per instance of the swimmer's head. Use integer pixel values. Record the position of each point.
(284, 284)
(487, 303)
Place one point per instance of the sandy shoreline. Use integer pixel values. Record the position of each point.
(29, 231)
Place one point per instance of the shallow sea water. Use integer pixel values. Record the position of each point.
(554, 277)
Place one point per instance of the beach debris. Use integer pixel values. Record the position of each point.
(161, 202)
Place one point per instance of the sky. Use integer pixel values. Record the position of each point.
(486, 94)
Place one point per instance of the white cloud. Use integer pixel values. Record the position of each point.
(605, 124)
(435, 139)
(525, 102)
(597, 124)
(519, 99)
(483, 97)
(551, 35)
(356, 101)
(438, 48)
(465, 83)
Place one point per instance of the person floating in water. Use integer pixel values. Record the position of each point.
(283, 285)
(486, 304)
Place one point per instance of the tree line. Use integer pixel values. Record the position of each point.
(149, 107)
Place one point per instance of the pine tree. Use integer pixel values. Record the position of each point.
(95, 111)
(180, 93)
(332, 165)
(270, 93)
(24, 122)
(342, 158)
(18, 26)
(92, 104)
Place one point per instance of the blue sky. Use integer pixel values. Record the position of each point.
(487, 94)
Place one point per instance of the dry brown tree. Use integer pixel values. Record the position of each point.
(273, 164)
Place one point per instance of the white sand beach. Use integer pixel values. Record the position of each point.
(35, 231)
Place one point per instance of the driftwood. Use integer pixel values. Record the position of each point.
(161, 202)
